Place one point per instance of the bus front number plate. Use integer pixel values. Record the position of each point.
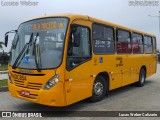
(19, 77)
(25, 93)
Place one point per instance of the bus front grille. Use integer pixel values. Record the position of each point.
(36, 86)
(29, 85)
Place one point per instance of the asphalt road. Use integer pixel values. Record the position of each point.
(129, 98)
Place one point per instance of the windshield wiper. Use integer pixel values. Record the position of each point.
(20, 54)
(35, 54)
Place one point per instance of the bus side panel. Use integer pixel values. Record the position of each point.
(131, 68)
(151, 64)
(154, 63)
(110, 64)
(79, 83)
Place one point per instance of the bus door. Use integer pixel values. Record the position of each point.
(78, 80)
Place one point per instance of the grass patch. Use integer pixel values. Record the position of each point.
(3, 83)
(3, 67)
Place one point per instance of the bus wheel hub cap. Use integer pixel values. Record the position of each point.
(98, 88)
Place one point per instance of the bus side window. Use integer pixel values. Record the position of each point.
(79, 47)
(147, 44)
(137, 43)
(103, 39)
(154, 45)
(123, 42)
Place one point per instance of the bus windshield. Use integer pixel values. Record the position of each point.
(44, 39)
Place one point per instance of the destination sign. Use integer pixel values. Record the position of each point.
(47, 25)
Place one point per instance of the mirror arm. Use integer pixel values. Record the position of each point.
(12, 31)
(6, 36)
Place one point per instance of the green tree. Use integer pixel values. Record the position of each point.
(3, 56)
(1, 43)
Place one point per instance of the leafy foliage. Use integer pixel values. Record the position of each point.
(1, 43)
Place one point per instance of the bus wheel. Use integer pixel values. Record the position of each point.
(99, 89)
(142, 78)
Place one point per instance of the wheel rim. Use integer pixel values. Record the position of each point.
(98, 88)
(142, 78)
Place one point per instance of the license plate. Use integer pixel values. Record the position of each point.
(26, 93)
(19, 77)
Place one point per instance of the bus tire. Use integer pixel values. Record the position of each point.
(142, 78)
(99, 89)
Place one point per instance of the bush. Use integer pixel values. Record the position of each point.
(4, 58)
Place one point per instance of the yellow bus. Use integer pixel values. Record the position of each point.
(61, 59)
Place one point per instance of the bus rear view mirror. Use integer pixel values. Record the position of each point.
(62, 36)
(6, 40)
(76, 39)
(75, 35)
(74, 28)
(6, 36)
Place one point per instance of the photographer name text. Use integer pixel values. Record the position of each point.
(19, 3)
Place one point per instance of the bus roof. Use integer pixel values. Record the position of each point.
(92, 19)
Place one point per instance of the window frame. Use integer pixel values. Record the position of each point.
(65, 37)
(140, 44)
(155, 45)
(130, 34)
(90, 57)
(103, 25)
(147, 44)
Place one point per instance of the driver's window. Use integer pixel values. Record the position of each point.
(79, 47)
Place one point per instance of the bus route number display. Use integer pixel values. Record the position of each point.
(47, 26)
(99, 44)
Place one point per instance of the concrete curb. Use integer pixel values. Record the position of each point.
(3, 72)
(4, 89)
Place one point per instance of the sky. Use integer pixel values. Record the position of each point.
(121, 12)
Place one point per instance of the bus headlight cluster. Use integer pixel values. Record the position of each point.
(9, 78)
(52, 82)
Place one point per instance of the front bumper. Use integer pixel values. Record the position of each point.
(52, 97)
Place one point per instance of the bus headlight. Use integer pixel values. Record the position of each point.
(52, 82)
(9, 78)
